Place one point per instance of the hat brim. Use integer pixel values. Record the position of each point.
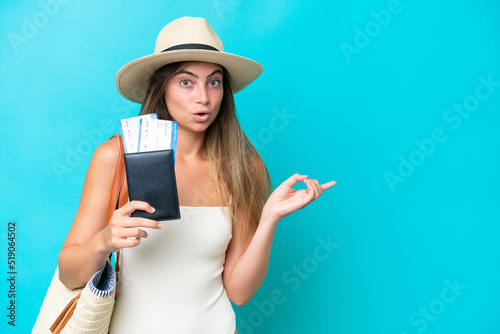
(133, 79)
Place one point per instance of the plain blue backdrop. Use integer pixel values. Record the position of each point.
(398, 101)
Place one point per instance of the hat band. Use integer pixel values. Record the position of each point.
(190, 46)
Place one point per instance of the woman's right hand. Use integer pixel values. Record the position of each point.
(124, 231)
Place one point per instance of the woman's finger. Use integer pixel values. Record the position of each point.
(328, 185)
(317, 187)
(129, 243)
(141, 222)
(124, 232)
(130, 207)
(137, 233)
(292, 180)
(311, 194)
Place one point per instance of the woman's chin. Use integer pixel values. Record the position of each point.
(195, 128)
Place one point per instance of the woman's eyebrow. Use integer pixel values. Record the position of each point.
(215, 72)
(195, 75)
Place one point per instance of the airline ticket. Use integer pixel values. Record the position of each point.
(148, 133)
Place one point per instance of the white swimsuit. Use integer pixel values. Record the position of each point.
(172, 281)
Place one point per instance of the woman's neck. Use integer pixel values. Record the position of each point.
(191, 145)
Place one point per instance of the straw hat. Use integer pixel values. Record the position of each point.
(184, 39)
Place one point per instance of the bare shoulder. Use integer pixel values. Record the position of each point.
(106, 154)
(101, 169)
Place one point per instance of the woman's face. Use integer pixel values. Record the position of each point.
(193, 95)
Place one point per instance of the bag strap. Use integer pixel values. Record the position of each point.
(65, 315)
(119, 194)
(119, 190)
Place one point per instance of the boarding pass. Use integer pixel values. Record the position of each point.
(148, 133)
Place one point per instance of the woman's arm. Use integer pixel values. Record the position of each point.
(246, 264)
(89, 243)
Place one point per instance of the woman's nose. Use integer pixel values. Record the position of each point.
(203, 94)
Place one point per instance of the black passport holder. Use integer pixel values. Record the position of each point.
(151, 178)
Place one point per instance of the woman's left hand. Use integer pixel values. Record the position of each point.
(285, 200)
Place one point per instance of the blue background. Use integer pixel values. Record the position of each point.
(360, 88)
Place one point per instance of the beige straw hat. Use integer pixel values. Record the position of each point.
(184, 39)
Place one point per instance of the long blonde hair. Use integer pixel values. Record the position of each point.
(236, 168)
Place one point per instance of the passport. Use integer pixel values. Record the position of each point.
(151, 178)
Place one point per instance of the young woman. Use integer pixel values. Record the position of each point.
(178, 276)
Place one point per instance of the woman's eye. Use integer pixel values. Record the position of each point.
(214, 83)
(185, 83)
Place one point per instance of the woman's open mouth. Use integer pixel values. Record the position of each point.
(201, 116)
